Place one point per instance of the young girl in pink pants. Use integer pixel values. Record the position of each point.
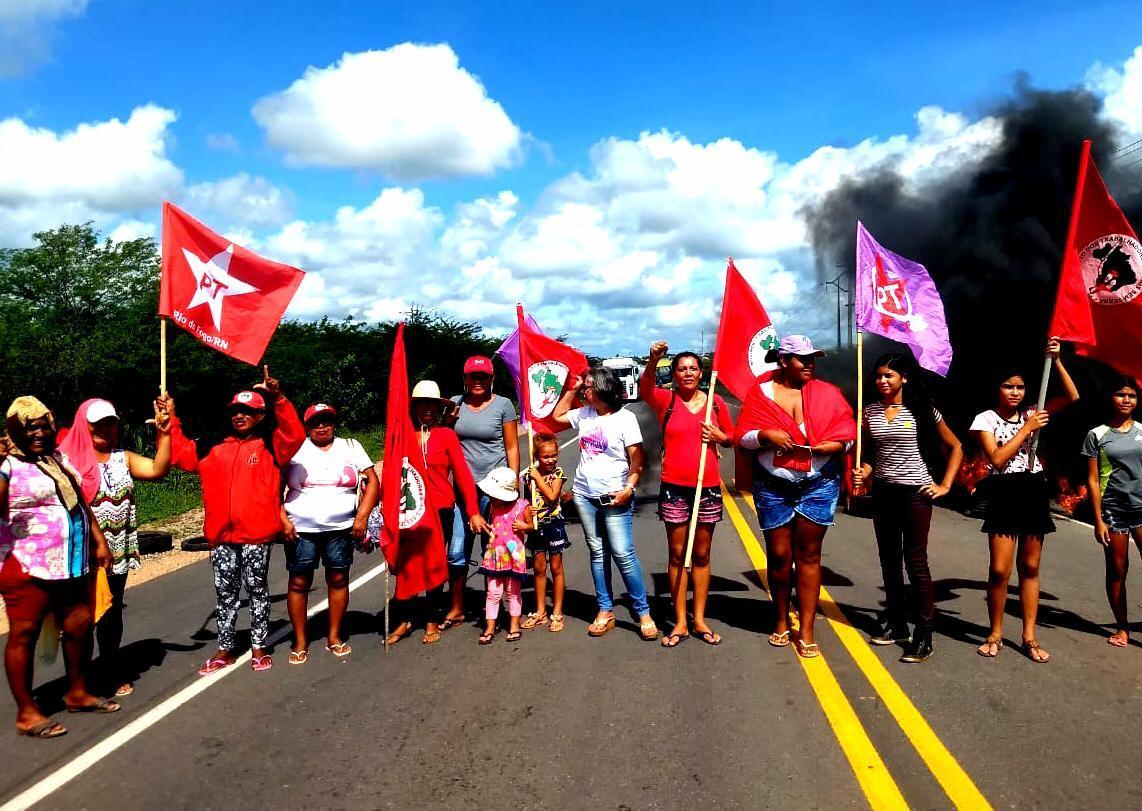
(505, 562)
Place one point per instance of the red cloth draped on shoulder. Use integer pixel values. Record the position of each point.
(828, 415)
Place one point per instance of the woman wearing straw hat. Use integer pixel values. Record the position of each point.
(322, 518)
(447, 473)
(796, 428)
(49, 543)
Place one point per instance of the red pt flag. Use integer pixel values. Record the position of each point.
(411, 537)
(1099, 302)
(545, 365)
(229, 298)
(745, 334)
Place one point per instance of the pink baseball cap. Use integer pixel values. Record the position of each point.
(799, 345)
(248, 399)
(317, 409)
(478, 364)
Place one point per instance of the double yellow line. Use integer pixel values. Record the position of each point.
(871, 772)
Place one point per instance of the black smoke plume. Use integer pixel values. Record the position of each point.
(992, 237)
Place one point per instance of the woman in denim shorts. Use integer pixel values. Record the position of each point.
(796, 428)
(322, 517)
(1114, 451)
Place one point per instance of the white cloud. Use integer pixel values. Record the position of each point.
(27, 30)
(100, 171)
(631, 249)
(132, 229)
(222, 142)
(1121, 91)
(411, 112)
(241, 199)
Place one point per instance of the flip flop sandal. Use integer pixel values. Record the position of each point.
(534, 620)
(124, 690)
(44, 729)
(709, 637)
(649, 632)
(986, 648)
(513, 636)
(779, 640)
(673, 640)
(597, 629)
(339, 649)
(298, 657)
(430, 639)
(1031, 647)
(103, 706)
(808, 650)
(260, 664)
(451, 622)
(402, 631)
(556, 623)
(486, 638)
(213, 666)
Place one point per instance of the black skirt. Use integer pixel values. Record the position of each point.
(1017, 504)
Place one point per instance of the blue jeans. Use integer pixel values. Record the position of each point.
(460, 546)
(608, 531)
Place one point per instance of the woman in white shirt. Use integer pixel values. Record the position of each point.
(322, 518)
(1018, 500)
(610, 464)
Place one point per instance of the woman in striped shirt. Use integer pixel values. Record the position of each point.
(901, 430)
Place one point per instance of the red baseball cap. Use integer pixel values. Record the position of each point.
(248, 399)
(478, 364)
(317, 409)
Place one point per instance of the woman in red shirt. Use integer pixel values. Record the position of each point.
(447, 471)
(684, 439)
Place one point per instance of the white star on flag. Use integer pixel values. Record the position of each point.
(215, 282)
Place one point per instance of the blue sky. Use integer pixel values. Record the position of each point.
(591, 145)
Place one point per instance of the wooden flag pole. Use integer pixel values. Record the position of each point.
(860, 394)
(388, 605)
(530, 463)
(162, 356)
(701, 474)
(1048, 362)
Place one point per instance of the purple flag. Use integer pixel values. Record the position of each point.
(509, 354)
(896, 298)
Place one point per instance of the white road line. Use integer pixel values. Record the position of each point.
(69, 771)
(568, 442)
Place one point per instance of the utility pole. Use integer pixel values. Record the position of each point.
(836, 282)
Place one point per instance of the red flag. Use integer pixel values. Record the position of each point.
(224, 295)
(745, 334)
(1099, 302)
(411, 538)
(545, 364)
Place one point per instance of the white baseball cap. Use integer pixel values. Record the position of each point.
(101, 410)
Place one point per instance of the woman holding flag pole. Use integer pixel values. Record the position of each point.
(686, 438)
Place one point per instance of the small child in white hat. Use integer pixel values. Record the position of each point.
(505, 560)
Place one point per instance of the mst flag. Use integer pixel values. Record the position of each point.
(745, 334)
(1099, 302)
(896, 298)
(224, 295)
(411, 538)
(545, 365)
(509, 354)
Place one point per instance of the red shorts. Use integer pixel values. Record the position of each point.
(29, 599)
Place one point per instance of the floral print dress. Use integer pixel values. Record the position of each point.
(114, 508)
(505, 555)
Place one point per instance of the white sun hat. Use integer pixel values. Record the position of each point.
(426, 390)
(500, 483)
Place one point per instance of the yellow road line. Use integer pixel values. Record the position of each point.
(940, 762)
(875, 781)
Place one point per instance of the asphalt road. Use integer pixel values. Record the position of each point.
(563, 720)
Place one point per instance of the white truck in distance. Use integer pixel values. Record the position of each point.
(628, 371)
